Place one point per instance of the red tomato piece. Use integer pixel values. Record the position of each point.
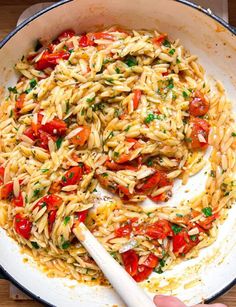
(151, 261)
(81, 138)
(81, 216)
(143, 273)
(130, 260)
(85, 41)
(152, 181)
(159, 230)
(18, 201)
(101, 35)
(200, 129)
(136, 99)
(51, 201)
(51, 59)
(29, 132)
(123, 158)
(66, 34)
(51, 219)
(54, 127)
(43, 140)
(87, 169)
(2, 170)
(181, 243)
(20, 102)
(116, 167)
(22, 226)
(159, 198)
(160, 39)
(124, 190)
(6, 190)
(72, 176)
(207, 223)
(198, 106)
(123, 231)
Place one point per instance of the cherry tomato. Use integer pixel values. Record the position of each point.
(143, 273)
(159, 40)
(43, 140)
(2, 170)
(20, 102)
(66, 34)
(51, 219)
(151, 261)
(81, 138)
(85, 41)
(72, 176)
(152, 181)
(200, 128)
(6, 190)
(81, 216)
(198, 106)
(159, 230)
(29, 132)
(51, 201)
(54, 127)
(22, 226)
(123, 231)
(51, 59)
(136, 99)
(130, 260)
(124, 190)
(18, 201)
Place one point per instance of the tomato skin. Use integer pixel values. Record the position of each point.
(151, 261)
(6, 190)
(116, 167)
(18, 201)
(55, 127)
(66, 34)
(43, 140)
(22, 226)
(85, 41)
(29, 132)
(136, 99)
(2, 171)
(198, 106)
(81, 138)
(143, 273)
(123, 231)
(152, 181)
(20, 102)
(101, 35)
(182, 243)
(159, 230)
(81, 216)
(207, 223)
(72, 176)
(159, 40)
(199, 126)
(51, 59)
(124, 190)
(51, 201)
(51, 219)
(123, 158)
(130, 260)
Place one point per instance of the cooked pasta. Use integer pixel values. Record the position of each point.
(128, 111)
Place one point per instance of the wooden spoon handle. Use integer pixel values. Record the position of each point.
(121, 281)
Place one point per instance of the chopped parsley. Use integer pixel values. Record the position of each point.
(110, 80)
(90, 99)
(207, 211)
(116, 154)
(193, 238)
(66, 220)
(130, 61)
(67, 106)
(233, 134)
(71, 175)
(12, 89)
(212, 173)
(179, 215)
(166, 43)
(59, 142)
(127, 128)
(63, 178)
(149, 118)
(110, 135)
(149, 162)
(188, 140)
(33, 83)
(178, 61)
(172, 51)
(44, 170)
(176, 228)
(36, 193)
(98, 107)
(65, 245)
(185, 94)
(35, 245)
(117, 70)
(11, 113)
(104, 174)
(170, 83)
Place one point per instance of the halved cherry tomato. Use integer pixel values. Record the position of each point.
(123, 231)
(85, 41)
(123, 158)
(81, 216)
(116, 167)
(81, 138)
(198, 106)
(51, 201)
(29, 132)
(130, 260)
(124, 190)
(136, 99)
(51, 59)
(35, 126)
(2, 170)
(152, 181)
(18, 201)
(6, 190)
(151, 261)
(20, 102)
(200, 128)
(101, 35)
(72, 176)
(159, 230)
(87, 169)
(161, 197)
(54, 127)
(66, 34)
(159, 40)
(207, 223)
(43, 140)
(143, 273)
(22, 226)
(51, 219)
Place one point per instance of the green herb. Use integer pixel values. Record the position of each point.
(26, 199)
(188, 140)
(117, 113)
(113, 254)
(66, 220)
(178, 61)
(212, 173)
(110, 80)
(116, 154)
(63, 178)
(98, 107)
(149, 162)
(170, 83)
(233, 134)
(12, 89)
(204, 85)
(35, 245)
(38, 46)
(90, 99)
(130, 61)
(65, 245)
(117, 70)
(149, 213)
(110, 135)
(95, 190)
(82, 112)
(127, 128)
(162, 263)
(176, 228)
(172, 51)
(158, 270)
(11, 113)
(44, 204)
(149, 118)
(179, 215)
(59, 142)
(108, 61)
(226, 193)
(166, 43)
(36, 193)
(67, 106)
(71, 175)
(104, 174)
(193, 238)
(65, 47)
(33, 83)
(207, 211)
(185, 95)
(44, 170)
